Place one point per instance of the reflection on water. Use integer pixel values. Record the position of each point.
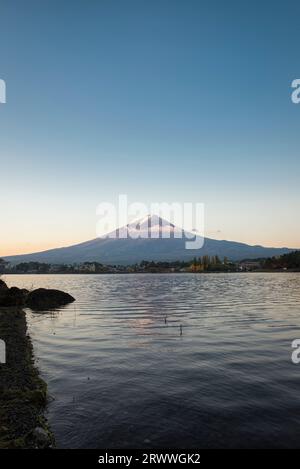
(121, 375)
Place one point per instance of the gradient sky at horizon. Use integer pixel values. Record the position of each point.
(164, 101)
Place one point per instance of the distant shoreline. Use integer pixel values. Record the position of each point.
(203, 264)
(269, 271)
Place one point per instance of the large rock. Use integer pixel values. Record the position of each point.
(12, 296)
(43, 298)
(3, 285)
(39, 299)
(3, 290)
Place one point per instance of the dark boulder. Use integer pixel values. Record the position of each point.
(43, 298)
(40, 299)
(12, 296)
(3, 290)
(3, 285)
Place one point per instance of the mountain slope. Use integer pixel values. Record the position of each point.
(130, 251)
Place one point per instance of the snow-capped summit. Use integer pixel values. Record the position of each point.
(151, 226)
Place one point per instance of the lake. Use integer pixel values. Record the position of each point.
(121, 375)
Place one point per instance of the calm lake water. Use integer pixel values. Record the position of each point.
(121, 376)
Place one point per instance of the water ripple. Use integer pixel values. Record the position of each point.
(122, 375)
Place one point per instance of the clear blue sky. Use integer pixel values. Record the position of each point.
(162, 100)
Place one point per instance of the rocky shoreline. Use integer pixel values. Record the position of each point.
(23, 393)
(39, 299)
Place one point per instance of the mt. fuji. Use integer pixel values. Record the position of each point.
(151, 238)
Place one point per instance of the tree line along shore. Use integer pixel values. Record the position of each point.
(289, 261)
